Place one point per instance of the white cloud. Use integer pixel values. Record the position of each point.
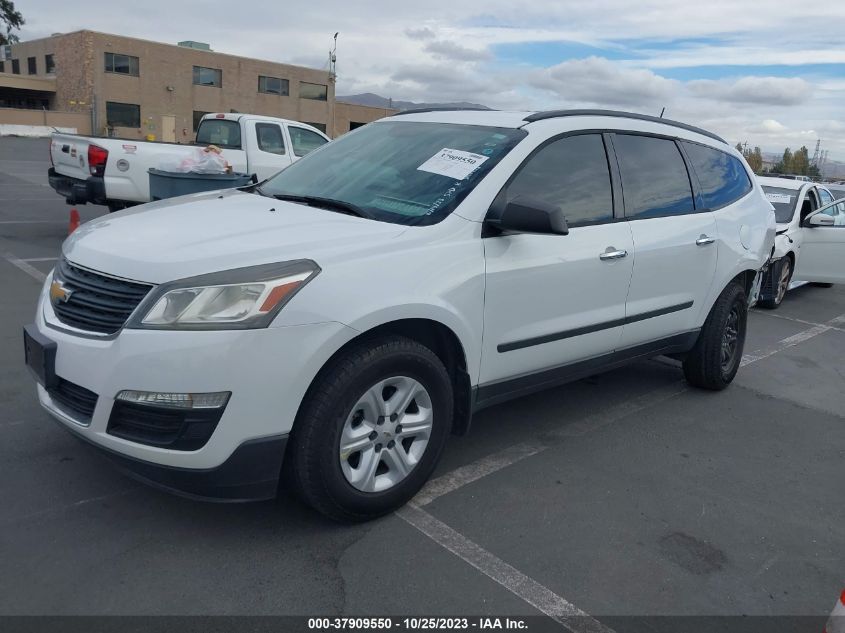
(597, 80)
(445, 49)
(762, 90)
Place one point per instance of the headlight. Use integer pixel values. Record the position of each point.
(233, 299)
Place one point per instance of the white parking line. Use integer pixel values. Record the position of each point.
(538, 596)
(38, 259)
(30, 270)
(501, 572)
(783, 317)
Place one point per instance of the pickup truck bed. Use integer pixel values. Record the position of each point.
(114, 171)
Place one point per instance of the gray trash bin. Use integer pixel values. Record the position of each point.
(168, 184)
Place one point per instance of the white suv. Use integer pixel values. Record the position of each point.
(348, 314)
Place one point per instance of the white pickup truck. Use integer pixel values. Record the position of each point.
(114, 172)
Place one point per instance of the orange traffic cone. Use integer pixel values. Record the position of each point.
(74, 221)
(836, 623)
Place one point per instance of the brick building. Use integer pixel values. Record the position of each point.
(134, 88)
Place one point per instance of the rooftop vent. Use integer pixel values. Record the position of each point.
(200, 46)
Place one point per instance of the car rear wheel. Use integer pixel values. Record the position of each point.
(715, 359)
(371, 429)
(782, 273)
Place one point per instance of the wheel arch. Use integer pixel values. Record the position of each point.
(433, 334)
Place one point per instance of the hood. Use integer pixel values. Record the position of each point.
(209, 232)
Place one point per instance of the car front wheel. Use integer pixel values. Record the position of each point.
(782, 274)
(371, 429)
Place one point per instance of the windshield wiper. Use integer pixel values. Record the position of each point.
(326, 203)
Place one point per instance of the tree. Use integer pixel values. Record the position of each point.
(755, 160)
(785, 164)
(801, 161)
(11, 19)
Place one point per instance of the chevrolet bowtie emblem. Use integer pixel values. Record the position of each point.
(58, 292)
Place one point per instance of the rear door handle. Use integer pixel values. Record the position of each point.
(704, 240)
(611, 253)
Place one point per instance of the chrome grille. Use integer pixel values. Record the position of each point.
(97, 302)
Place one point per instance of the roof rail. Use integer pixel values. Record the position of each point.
(554, 114)
(442, 109)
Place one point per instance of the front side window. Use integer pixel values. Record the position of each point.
(220, 132)
(273, 86)
(304, 141)
(571, 173)
(269, 137)
(825, 196)
(410, 173)
(318, 92)
(783, 200)
(837, 212)
(208, 76)
(122, 64)
(655, 181)
(31, 66)
(123, 114)
(722, 177)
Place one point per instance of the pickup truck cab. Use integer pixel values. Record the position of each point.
(800, 255)
(113, 171)
(350, 313)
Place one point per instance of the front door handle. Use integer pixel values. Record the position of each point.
(612, 253)
(704, 240)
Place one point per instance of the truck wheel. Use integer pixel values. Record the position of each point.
(714, 361)
(783, 276)
(371, 429)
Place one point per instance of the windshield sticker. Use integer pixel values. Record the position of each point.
(453, 163)
(778, 198)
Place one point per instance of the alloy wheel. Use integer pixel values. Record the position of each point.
(730, 340)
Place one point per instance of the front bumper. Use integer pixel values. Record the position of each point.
(76, 190)
(268, 371)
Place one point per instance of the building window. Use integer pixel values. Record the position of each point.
(122, 64)
(273, 86)
(2, 66)
(208, 76)
(16, 67)
(123, 114)
(31, 66)
(354, 125)
(318, 92)
(198, 115)
(49, 64)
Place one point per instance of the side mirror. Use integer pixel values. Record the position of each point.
(524, 214)
(820, 219)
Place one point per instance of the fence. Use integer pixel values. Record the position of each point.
(18, 122)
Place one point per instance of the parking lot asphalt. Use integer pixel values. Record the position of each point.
(626, 493)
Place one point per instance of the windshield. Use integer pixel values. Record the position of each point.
(783, 200)
(400, 172)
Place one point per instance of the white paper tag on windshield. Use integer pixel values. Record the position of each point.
(453, 163)
(778, 198)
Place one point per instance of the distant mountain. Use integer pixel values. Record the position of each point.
(377, 101)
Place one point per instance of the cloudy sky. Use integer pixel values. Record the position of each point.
(769, 72)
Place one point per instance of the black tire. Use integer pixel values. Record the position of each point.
(820, 284)
(706, 366)
(781, 268)
(313, 461)
(115, 206)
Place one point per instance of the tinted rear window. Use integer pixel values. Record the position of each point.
(655, 181)
(220, 132)
(722, 177)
